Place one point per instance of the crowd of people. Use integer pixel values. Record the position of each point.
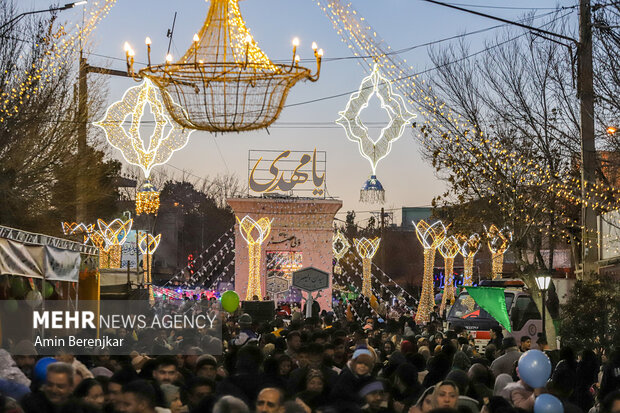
(322, 363)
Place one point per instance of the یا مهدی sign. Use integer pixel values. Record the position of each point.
(289, 171)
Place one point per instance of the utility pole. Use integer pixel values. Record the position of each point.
(585, 87)
(82, 132)
(81, 210)
(585, 93)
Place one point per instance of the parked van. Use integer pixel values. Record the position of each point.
(525, 319)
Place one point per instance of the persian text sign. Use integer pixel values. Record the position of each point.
(310, 279)
(287, 172)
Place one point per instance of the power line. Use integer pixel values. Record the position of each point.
(484, 6)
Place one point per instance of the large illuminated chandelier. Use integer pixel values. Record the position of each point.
(498, 241)
(431, 237)
(367, 248)
(224, 82)
(340, 246)
(356, 131)
(469, 249)
(248, 227)
(448, 249)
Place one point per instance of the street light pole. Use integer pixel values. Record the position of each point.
(543, 285)
(8, 25)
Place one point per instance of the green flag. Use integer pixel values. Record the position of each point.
(493, 301)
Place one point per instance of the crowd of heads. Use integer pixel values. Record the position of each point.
(330, 362)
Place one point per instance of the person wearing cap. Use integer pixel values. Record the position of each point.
(246, 334)
(353, 377)
(25, 357)
(374, 397)
(505, 363)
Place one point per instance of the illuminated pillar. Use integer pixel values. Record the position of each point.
(367, 248)
(246, 227)
(430, 236)
(148, 245)
(498, 241)
(469, 249)
(449, 249)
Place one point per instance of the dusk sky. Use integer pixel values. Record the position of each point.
(408, 180)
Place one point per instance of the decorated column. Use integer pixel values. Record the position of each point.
(367, 248)
(449, 249)
(470, 247)
(498, 242)
(430, 236)
(254, 233)
(148, 244)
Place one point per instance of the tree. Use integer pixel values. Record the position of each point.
(38, 128)
(522, 138)
(204, 221)
(589, 318)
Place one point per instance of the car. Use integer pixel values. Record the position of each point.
(525, 319)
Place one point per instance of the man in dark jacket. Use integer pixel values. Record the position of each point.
(54, 393)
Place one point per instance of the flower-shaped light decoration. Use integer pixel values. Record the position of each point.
(148, 244)
(340, 246)
(498, 241)
(111, 237)
(431, 237)
(469, 249)
(248, 227)
(448, 249)
(74, 228)
(367, 248)
(356, 131)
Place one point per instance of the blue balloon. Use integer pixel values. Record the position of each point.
(40, 369)
(546, 403)
(534, 368)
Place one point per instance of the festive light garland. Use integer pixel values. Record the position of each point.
(226, 238)
(448, 249)
(498, 242)
(246, 227)
(64, 43)
(367, 248)
(430, 236)
(469, 249)
(357, 132)
(469, 143)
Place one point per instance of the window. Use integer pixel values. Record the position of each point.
(524, 309)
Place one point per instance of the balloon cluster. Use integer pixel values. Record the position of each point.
(535, 369)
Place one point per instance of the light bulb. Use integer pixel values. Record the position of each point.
(126, 47)
(248, 38)
(196, 38)
(130, 52)
(314, 46)
(320, 52)
(169, 58)
(147, 41)
(297, 58)
(296, 41)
